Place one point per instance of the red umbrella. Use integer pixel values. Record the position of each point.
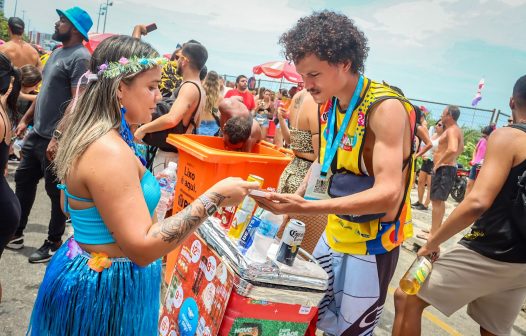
(279, 69)
(95, 39)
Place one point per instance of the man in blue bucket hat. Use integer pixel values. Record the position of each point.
(61, 75)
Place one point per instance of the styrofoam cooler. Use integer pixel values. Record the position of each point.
(268, 299)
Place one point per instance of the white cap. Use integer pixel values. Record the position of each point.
(172, 165)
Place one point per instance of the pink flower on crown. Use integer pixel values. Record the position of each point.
(103, 67)
(123, 61)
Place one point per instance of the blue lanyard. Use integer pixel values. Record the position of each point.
(331, 145)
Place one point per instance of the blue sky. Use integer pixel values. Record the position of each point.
(433, 50)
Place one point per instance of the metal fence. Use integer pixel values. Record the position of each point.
(470, 117)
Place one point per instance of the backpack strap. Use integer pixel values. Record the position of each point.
(521, 127)
(192, 119)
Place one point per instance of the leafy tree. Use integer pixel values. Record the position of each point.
(471, 137)
(4, 33)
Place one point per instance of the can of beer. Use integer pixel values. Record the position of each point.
(249, 204)
(225, 214)
(239, 223)
(290, 242)
(248, 236)
(254, 178)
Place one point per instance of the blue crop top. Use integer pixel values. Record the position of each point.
(88, 226)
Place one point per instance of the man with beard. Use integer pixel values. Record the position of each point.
(61, 76)
(17, 50)
(190, 99)
(242, 91)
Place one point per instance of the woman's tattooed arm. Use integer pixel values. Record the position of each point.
(179, 226)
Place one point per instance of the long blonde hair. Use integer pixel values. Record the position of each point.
(97, 110)
(212, 87)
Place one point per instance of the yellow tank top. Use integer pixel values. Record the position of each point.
(372, 237)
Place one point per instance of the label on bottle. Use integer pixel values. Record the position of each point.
(422, 270)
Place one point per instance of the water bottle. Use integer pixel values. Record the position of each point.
(167, 180)
(17, 147)
(268, 228)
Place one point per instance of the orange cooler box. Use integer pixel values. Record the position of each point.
(203, 161)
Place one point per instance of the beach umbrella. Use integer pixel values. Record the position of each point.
(278, 69)
(95, 39)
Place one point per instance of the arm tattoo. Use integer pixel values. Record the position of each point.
(216, 198)
(179, 226)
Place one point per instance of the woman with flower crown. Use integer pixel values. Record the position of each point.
(105, 280)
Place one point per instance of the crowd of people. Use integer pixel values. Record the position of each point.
(355, 142)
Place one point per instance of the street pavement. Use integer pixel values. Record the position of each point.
(20, 279)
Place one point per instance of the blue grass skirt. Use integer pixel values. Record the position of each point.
(74, 299)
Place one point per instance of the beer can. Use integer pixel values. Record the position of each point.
(248, 203)
(290, 242)
(225, 214)
(239, 223)
(248, 236)
(254, 178)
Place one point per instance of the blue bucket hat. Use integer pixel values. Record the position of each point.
(79, 18)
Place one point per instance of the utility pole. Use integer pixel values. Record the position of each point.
(16, 4)
(101, 12)
(108, 3)
(24, 15)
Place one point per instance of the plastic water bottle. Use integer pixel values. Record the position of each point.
(17, 147)
(19, 143)
(167, 179)
(268, 228)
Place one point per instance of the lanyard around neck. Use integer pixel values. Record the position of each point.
(332, 144)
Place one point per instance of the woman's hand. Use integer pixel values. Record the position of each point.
(282, 113)
(230, 191)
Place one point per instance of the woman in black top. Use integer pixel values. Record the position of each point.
(9, 205)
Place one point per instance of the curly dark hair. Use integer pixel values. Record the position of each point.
(330, 36)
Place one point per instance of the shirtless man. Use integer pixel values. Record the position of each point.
(450, 146)
(234, 107)
(17, 50)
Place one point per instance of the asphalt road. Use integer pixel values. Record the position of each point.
(20, 280)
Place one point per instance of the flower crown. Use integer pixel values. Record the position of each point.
(131, 65)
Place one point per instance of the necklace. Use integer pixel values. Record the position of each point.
(127, 136)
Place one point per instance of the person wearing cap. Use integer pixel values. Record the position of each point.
(17, 50)
(61, 76)
(183, 116)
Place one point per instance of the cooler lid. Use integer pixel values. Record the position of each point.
(305, 274)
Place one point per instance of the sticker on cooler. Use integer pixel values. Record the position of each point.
(164, 326)
(211, 267)
(304, 310)
(195, 251)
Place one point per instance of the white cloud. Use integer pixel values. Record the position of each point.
(415, 21)
(514, 3)
(261, 16)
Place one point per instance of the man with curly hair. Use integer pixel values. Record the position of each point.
(366, 132)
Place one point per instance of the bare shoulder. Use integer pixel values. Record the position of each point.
(189, 90)
(389, 114)
(106, 157)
